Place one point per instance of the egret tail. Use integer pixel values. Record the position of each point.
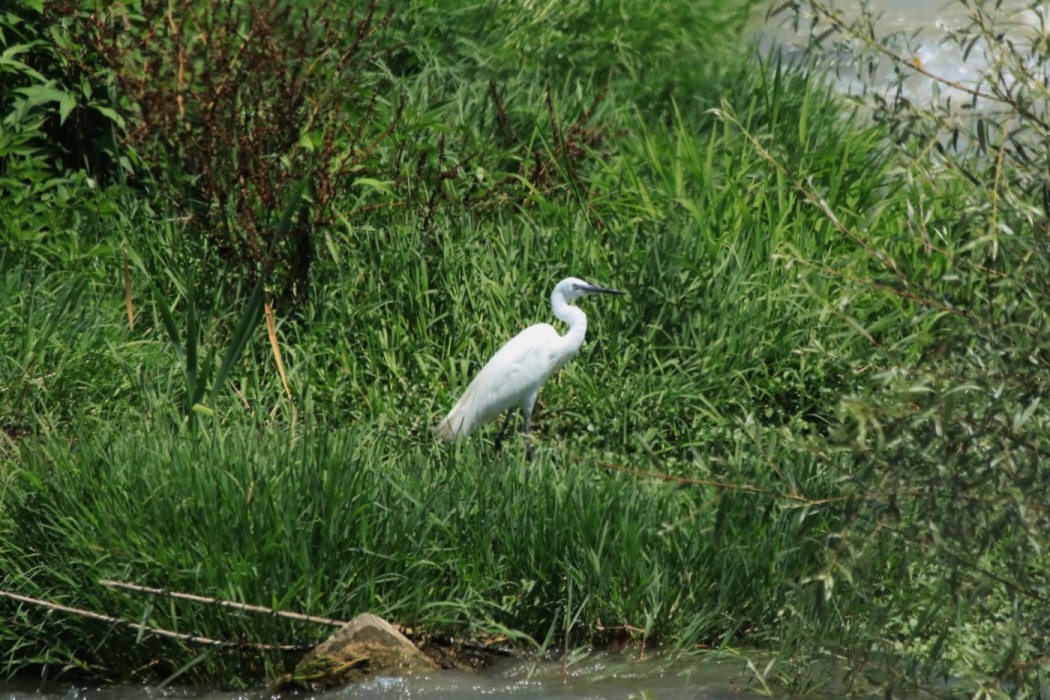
(445, 431)
(460, 421)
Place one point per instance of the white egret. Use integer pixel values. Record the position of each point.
(513, 377)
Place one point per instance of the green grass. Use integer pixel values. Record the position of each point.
(340, 521)
(754, 449)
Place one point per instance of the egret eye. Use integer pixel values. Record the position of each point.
(575, 286)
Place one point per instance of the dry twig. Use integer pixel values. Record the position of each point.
(191, 638)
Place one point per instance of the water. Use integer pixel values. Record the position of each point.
(931, 48)
(598, 677)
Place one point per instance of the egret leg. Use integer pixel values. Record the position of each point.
(503, 429)
(526, 427)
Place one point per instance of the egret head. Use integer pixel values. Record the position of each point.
(573, 287)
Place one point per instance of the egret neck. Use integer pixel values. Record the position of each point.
(572, 340)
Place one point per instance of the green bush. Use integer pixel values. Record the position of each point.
(947, 487)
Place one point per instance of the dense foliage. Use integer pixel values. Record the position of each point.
(252, 250)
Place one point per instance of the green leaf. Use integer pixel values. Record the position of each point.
(111, 114)
(168, 321)
(65, 105)
(381, 185)
(11, 65)
(14, 50)
(37, 95)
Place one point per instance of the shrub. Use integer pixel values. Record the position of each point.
(948, 516)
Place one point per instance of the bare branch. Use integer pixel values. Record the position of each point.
(191, 638)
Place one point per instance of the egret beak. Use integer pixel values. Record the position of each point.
(592, 289)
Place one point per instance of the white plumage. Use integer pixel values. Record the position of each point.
(513, 377)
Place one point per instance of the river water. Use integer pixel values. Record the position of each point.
(602, 676)
(930, 48)
(599, 676)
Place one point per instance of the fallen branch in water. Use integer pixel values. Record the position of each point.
(192, 638)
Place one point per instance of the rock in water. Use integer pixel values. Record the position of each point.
(366, 646)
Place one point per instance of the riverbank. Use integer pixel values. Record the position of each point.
(238, 302)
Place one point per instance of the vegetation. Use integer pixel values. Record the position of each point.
(251, 255)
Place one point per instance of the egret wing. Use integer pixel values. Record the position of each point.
(506, 380)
